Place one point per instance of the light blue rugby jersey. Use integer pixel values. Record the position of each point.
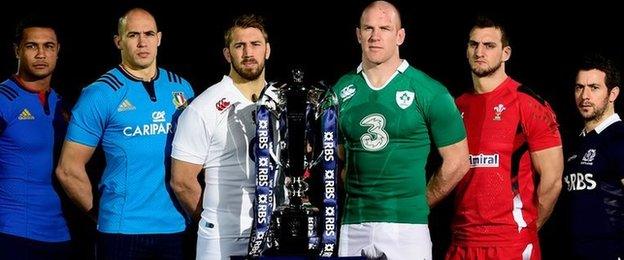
(134, 121)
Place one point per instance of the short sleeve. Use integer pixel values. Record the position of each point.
(446, 124)
(190, 143)
(89, 117)
(539, 124)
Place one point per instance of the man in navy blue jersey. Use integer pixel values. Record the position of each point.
(32, 225)
(131, 111)
(594, 172)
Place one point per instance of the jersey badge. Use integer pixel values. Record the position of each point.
(125, 106)
(347, 93)
(404, 98)
(179, 100)
(498, 110)
(25, 115)
(222, 104)
(588, 158)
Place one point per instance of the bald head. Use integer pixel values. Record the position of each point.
(382, 8)
(132, 14)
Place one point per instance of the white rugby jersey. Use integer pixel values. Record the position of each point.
(216, 130)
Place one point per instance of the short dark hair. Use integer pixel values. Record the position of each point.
(487, 22)
(600, 62)
(246, 21)
(34, 20)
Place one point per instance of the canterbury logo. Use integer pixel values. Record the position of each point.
(26, 115)
(125, 106)
(222, 104)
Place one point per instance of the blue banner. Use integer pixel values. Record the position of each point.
(329, 221)
(265, 170)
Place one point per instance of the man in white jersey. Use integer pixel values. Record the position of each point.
(214, 134)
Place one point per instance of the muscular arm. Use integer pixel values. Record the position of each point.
(72, 175)
(454, 166)
(548, 163)
(186, 187)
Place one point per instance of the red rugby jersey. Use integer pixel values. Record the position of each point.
(496, 202)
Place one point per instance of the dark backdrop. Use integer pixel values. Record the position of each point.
(319, 36)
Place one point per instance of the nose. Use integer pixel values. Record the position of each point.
(40, 53)
(142, 41)
(479, 50)
(246, 50)
(374, 35)
(584, 94)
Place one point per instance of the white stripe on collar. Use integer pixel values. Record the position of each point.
(402, 67)
(605, 123)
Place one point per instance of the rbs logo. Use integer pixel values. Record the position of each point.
(580, 181)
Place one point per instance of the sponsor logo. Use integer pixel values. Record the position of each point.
(125, 106)
(159, 126)
(158, 116)
(498, 110)
(179, 101)
(347, 93)
(580, 181)
(404, 98)
(483, 160)
(588, 158)
(25, 115)
(222, 104)
(572, 158)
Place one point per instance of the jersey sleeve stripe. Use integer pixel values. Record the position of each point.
(11, 90)
(103, 80)
(4, 90)
(112, 81)
(114, 78)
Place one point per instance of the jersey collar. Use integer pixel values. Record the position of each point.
(132, 77)
(402, 67)
(605, 123)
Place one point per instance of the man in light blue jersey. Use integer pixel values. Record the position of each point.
(131, 111)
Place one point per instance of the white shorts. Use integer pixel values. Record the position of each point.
(221, 248)
(210, 246)
(393, 241)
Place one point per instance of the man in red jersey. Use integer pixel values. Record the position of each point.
(516, 160)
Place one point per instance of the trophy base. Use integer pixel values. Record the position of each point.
(295, 231)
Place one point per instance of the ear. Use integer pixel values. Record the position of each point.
(159, 35)
(226, 54)
(613, 94)
(400, 36)
(117, 41)
(16, 49)
(268, 51)
(506, 53)
(358, 35)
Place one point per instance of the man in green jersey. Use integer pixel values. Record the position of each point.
(388, 111)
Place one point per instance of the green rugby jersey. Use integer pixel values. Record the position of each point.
(386, 133)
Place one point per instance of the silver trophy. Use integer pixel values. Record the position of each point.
(286, 220)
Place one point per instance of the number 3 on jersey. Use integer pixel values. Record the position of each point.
(376, 138)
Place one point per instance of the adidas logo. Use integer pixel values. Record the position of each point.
(125, 106)
(26, 115)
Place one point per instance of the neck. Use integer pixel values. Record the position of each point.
(488, 83)
(33, 84)
(592, 124)
(378, 74)
(249, 88)
(144, 74)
